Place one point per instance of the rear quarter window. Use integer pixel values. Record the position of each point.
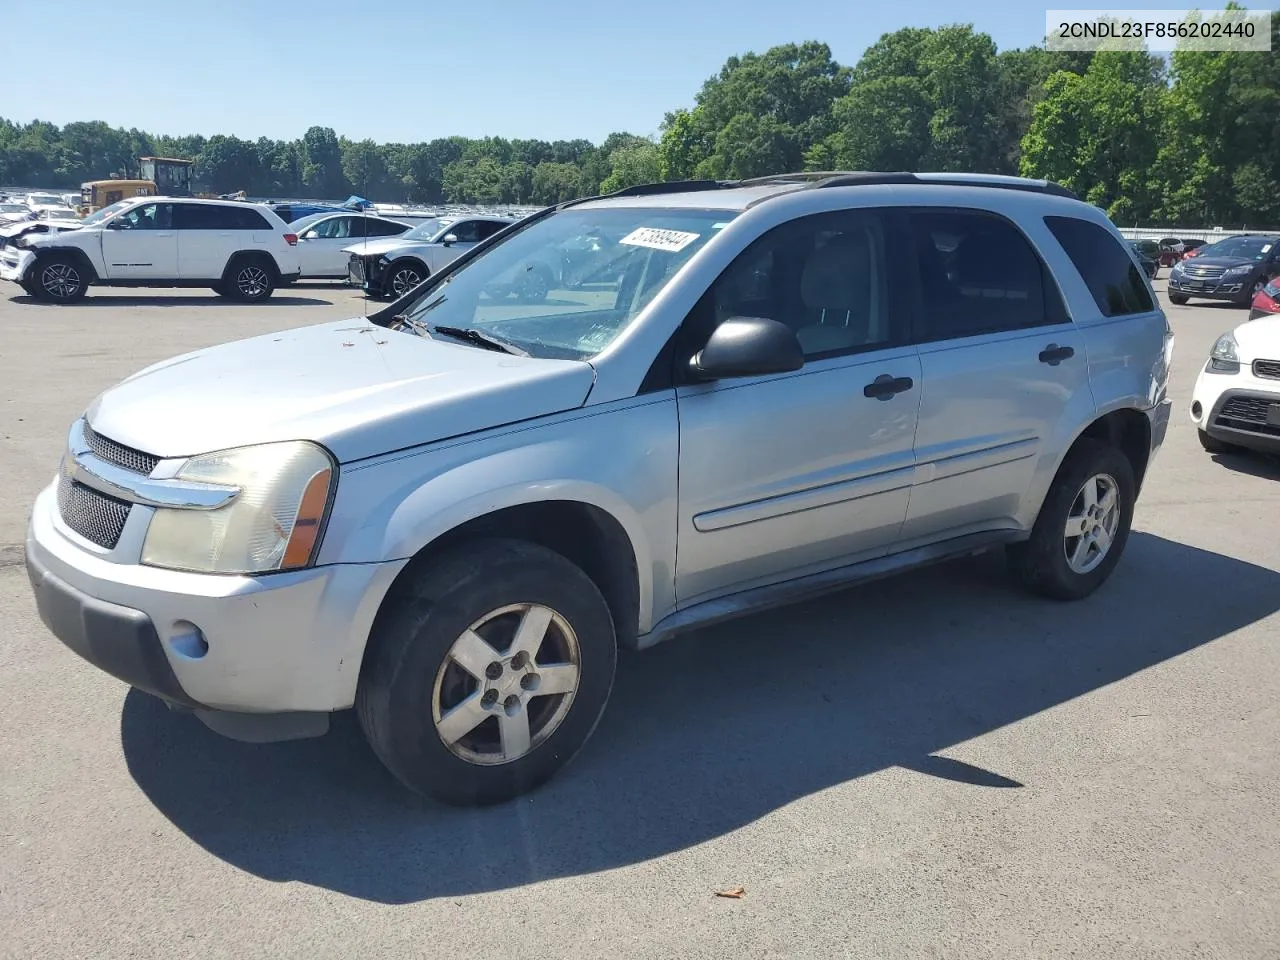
(1113, 279)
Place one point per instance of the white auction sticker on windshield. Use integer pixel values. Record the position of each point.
(669, 240)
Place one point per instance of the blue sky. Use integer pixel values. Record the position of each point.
(412, 70)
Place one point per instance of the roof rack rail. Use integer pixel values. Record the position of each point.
(673, 186)
(948, 180)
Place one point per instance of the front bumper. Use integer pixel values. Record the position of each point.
(285, 642)
(14, 267)
(366, 272)
(1240, 408)
(1229, 288)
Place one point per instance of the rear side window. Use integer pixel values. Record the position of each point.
(1108, 271)
(978, 274)
(203, 216)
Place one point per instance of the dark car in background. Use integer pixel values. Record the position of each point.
(1234, 269)
(1148, 252)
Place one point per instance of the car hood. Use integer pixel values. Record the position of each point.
(359, 389)
(373, 247)
(1203, 261)
(1259, 339)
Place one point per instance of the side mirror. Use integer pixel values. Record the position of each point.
(308, 235)
(748, 347)
(450, 239)
(117, 224)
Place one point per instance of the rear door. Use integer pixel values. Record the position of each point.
(1003, 369)
(141, 244)
(209, 233)
(320, 246)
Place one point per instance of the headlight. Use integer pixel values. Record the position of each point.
(1237, 271)
(274, 523)
(1177, 268)
(1224, 356)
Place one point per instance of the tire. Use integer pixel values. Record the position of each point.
(249, 279)
(402, 276)
(1180, 299)
(410, 683)
(1041, 563)
(59, 279)
(1213, 444)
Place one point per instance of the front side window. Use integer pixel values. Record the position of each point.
(824, 276)
(1117, 286)
(468, 231)
(567, 285)
(147, 216)
(335, 228)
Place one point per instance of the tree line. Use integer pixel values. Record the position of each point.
(1194, 139)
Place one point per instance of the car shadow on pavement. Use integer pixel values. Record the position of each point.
(1250, 463)
(706, 733)
(213, 300)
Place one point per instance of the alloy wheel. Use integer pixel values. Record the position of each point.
(506, 684)
(252, 282)
(60, 280)
(405, 280)
(1092, 522)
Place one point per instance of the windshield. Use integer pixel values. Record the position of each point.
(427, 229)
(107, 212)
(45, 199)
(567, 285)
(1246, 248)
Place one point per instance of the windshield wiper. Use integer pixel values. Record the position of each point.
(481, 339)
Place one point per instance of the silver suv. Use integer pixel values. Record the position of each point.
(450, 515)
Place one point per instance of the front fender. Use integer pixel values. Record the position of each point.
(392, 507)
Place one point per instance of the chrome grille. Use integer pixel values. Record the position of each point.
(1269, 369)
(118, 454)
(95, 516)
(1204, 273)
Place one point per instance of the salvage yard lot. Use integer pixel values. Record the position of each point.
(932, 765)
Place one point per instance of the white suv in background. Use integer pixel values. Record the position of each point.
(241, 250)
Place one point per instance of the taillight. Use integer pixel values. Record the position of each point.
(291, 239)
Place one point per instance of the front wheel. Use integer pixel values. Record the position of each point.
(58, 279)
(487, 672)
(403, 276)
(1083, 525)
(1179, 299)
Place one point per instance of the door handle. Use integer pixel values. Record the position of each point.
(1054, 354)
(884, 387)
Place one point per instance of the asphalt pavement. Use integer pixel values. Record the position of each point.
(932, 766)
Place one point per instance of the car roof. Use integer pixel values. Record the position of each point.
(740, 194)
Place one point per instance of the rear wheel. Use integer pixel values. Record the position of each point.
(58, 279)
(1178, 298)
(248, 279)
(488, 672)
(1082, 527)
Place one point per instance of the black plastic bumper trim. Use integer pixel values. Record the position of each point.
(119, 640)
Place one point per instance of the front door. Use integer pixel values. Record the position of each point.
(1003, 369)
(141, 244)
(790, 474)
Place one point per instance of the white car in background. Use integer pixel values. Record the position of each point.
(240, 250)
(393, 267)
(45, 200)
(325, 241)
(1236, 402)
(11, 210)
